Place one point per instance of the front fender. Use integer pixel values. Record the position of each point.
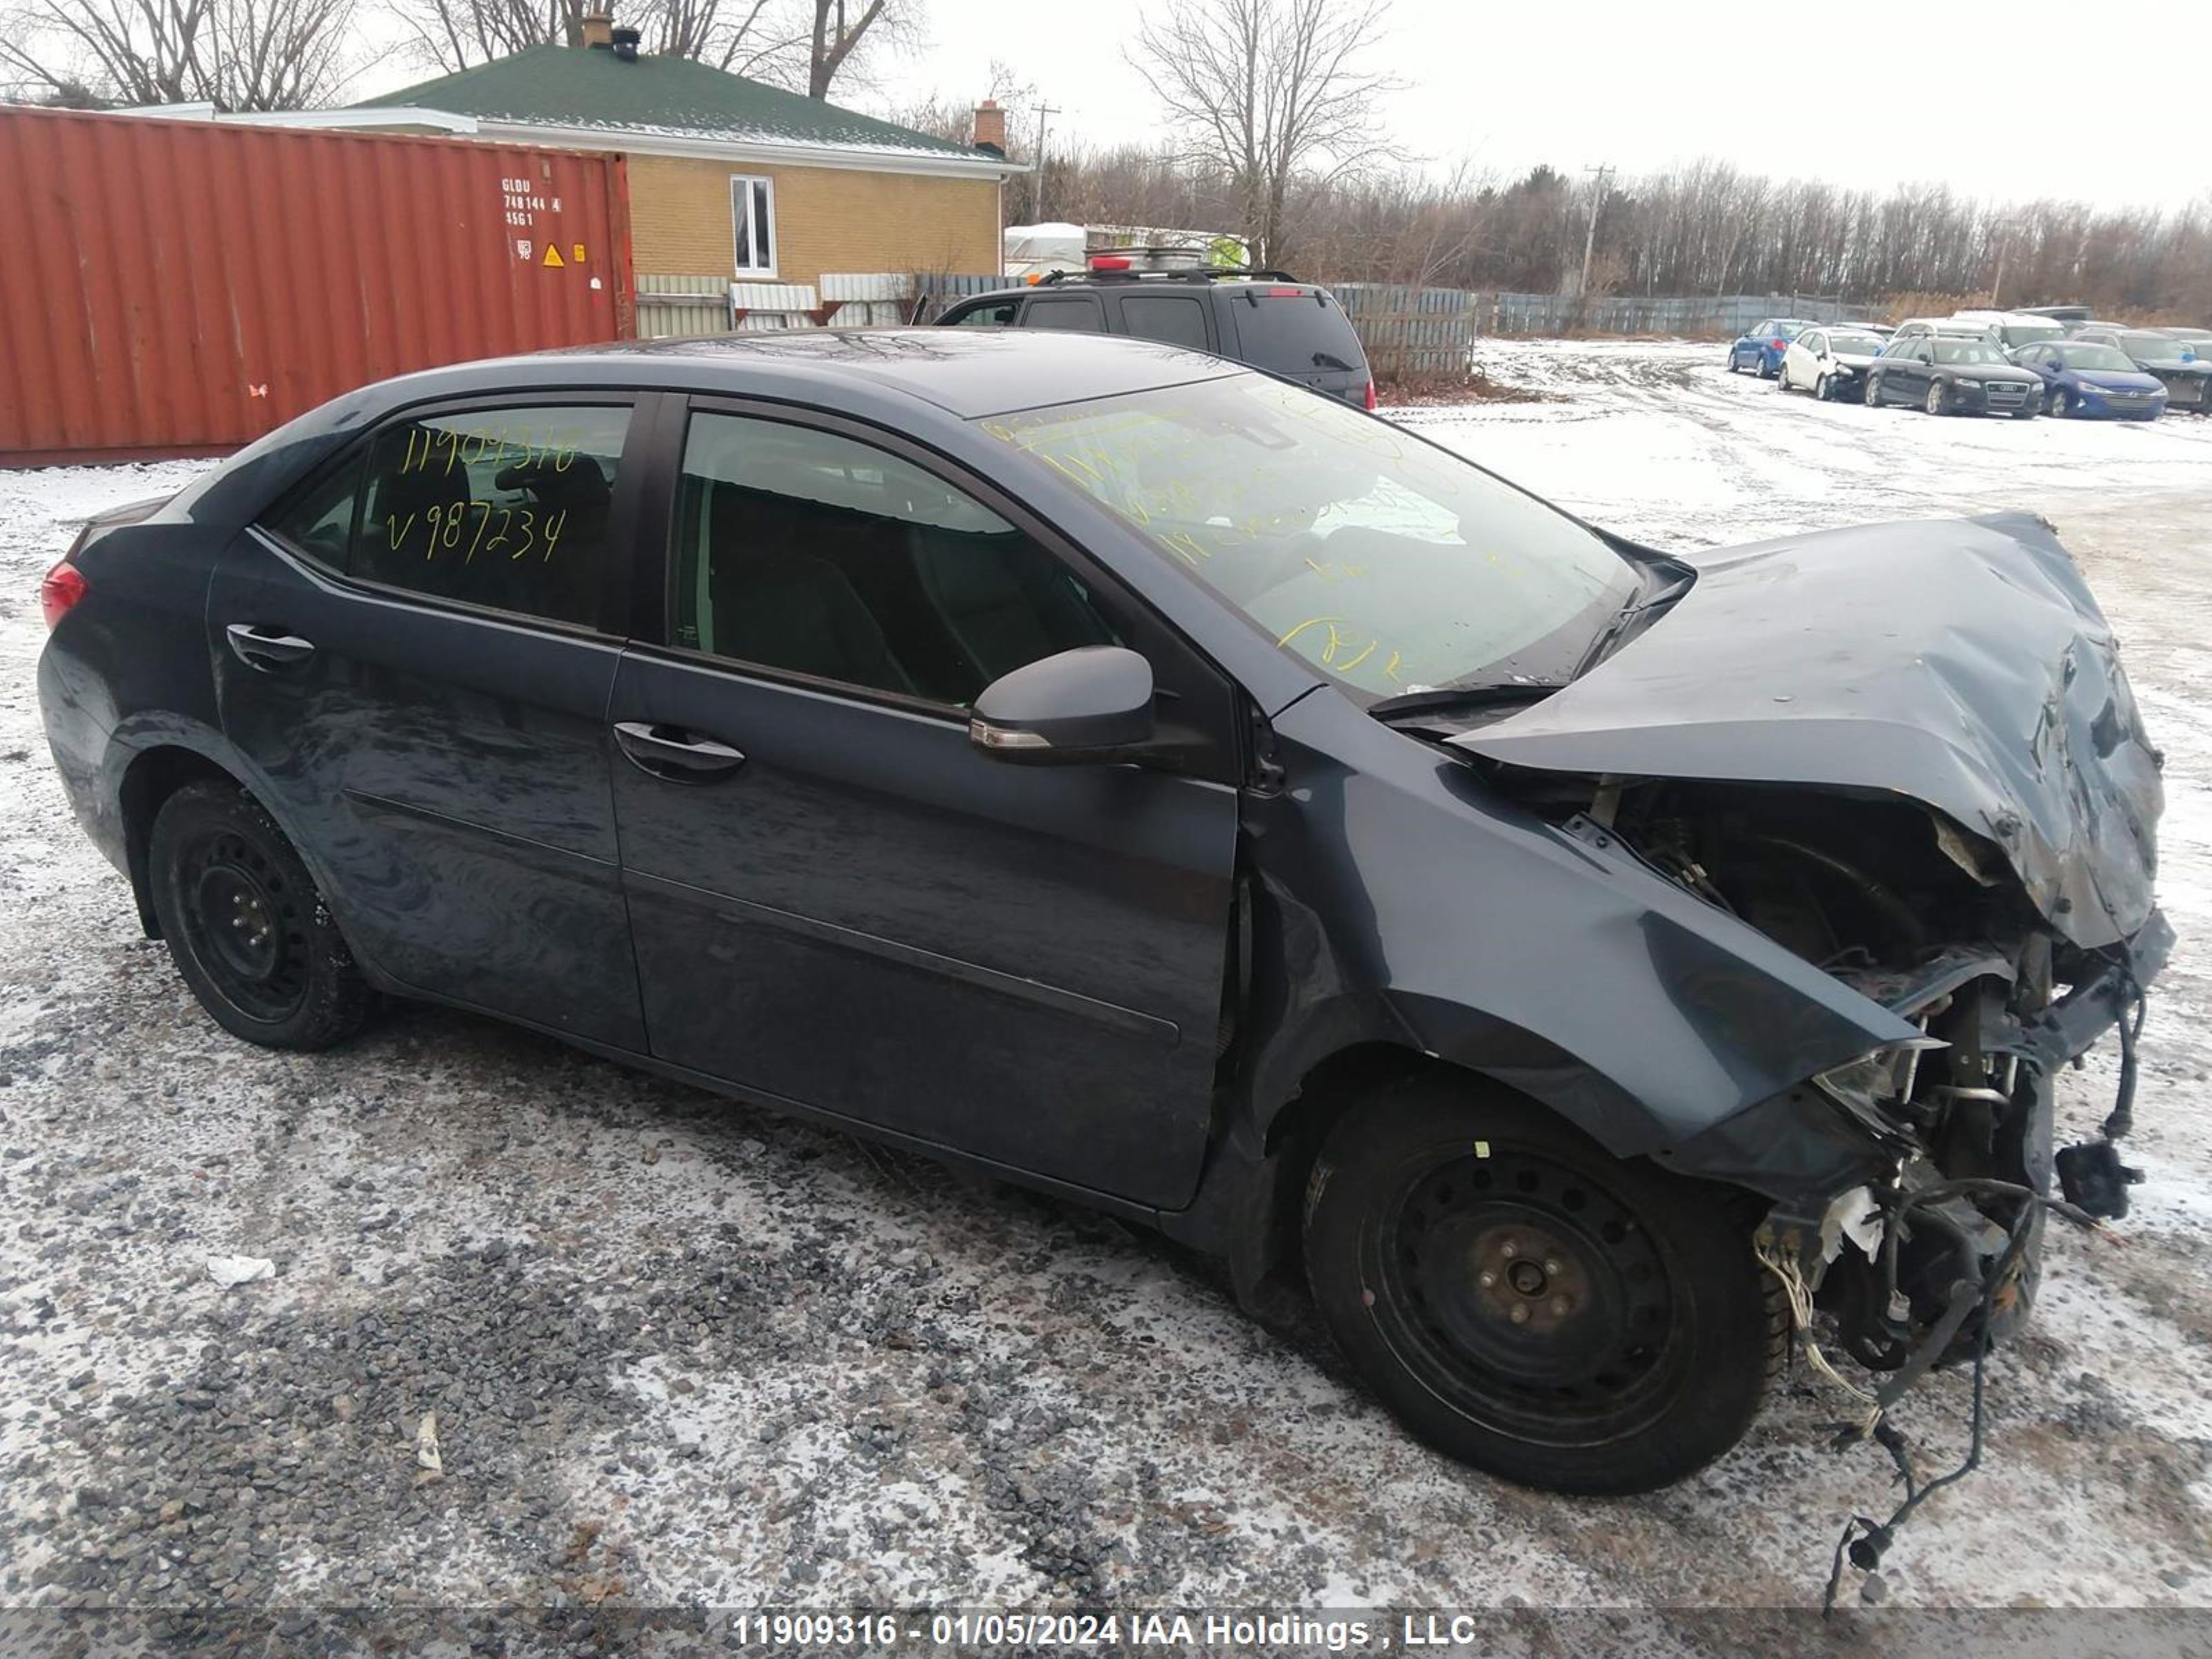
(1400, 895)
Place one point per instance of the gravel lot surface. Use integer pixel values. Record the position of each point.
(682, 1352)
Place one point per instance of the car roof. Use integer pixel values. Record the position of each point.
(966, 372)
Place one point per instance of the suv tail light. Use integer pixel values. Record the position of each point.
(1778, 345)
(1370, 404)
(63, 587)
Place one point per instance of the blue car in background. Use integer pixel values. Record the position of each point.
(1763, 346)
(2086, 378)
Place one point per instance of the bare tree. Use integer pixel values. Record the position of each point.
(234, 54)
(457, 34)
(1274, 88)
(841, 33)
(752, 38)
(951, 115)
(794, 44)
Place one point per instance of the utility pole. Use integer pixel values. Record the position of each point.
(2005, 228)
(1590, 241)
(1036, 194)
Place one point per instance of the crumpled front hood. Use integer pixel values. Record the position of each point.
(1962, 663)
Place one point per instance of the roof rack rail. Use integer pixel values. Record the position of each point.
(1205, 274)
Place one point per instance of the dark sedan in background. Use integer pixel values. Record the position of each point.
(2095, 381)
(1948, 374)
(2186, 374)
(1139, 777)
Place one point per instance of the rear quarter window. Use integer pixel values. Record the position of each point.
(1294, 332)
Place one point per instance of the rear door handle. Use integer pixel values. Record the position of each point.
(258, 647)
(655, 747)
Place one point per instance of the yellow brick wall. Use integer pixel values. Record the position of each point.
(826, 219)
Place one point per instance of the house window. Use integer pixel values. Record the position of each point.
(752, 211)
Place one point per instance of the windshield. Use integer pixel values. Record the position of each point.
(2155, 347)
(2081, 354)
(1857, 345)
(1389, 564)
(2020, 334)
(1966, 351)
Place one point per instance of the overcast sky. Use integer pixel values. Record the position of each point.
(2108, 102)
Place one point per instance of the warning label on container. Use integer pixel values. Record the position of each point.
(553, 257)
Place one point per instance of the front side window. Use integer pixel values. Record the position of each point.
(816, 553)
(508, 509)
(752, 214)
(1389, 563)
(998, 313)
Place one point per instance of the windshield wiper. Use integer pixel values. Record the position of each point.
(1465, 697)
(1628, 616)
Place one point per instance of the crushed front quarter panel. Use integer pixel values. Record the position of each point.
(1961, 663)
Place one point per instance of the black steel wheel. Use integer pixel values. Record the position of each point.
(245, 924)
(1525, 1301)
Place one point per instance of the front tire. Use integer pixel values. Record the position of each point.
(1824, 389)
(2058, 406)
(1626, 1333)
(1936, 403)
(245, 924)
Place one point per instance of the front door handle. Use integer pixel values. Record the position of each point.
(258, 647)
(654, 747)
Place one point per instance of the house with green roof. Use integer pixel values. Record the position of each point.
(729, 178)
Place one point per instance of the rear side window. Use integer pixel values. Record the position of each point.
(1075, 311)
(1174, 319)
(1294, 331)
(508, 509)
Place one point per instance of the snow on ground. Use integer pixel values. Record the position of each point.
(683, 1351)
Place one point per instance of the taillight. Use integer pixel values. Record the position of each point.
(63, 587)
(1370, 404)
(1778, 345)
(1284, 293)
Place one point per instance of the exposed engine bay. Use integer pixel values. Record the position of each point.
(1934, 1257)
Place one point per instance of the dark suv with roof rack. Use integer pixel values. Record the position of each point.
(1264, 318)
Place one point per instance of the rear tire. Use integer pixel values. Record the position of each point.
(245, 924)
(1765, 373)
(1627, 1334)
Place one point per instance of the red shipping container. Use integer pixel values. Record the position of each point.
(176, 288)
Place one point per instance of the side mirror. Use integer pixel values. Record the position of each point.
(1093, 705)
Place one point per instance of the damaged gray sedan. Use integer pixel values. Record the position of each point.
(1581, 969)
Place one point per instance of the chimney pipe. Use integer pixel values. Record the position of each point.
(598, 27)
(991, 127)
